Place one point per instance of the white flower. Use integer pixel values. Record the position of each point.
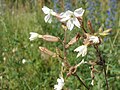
(94, 39)
(60, 84)
(49, 13)
(33, 36)
(23, 61)
(71, 18)
(92, 83)
(82, 50)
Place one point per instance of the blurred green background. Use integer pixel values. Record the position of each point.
(39, 72)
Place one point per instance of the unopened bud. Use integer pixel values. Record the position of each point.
(50, 38)
(48, 52)
(90, 26)
(106, 32)
(73, 40)
(100, 29)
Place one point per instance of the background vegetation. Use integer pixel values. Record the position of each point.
(40, 72)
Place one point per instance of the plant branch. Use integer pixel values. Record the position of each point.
(64, 49)
(81, 81)
(102, 62)
(82, 25)
(64, 43)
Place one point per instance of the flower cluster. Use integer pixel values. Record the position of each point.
(69, 19)
(82, 50)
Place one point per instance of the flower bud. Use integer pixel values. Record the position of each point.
(90, 26)
(50, 38)
(48, 52)
(106, 32)
(73, 40)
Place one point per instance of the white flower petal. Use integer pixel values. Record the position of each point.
(58, 80)
(24, 61)
(53, 13)
(94, 39)
(70, 24)
(79, 54)
(50, 13)
(70, 18)
(92, 83)
(66, 16)
(65, 19)
(68, 13)
(76, 22)
(33, 36)
(48, 18)
(62, 79)
(57, 87)
(61, 14)
(46, 10)
(78, 49)
(60, 84)
(79, 12)
(82, 50)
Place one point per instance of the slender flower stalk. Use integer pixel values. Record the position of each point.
(64, 48)
(82, 62)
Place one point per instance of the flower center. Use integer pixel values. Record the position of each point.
(71, 16)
